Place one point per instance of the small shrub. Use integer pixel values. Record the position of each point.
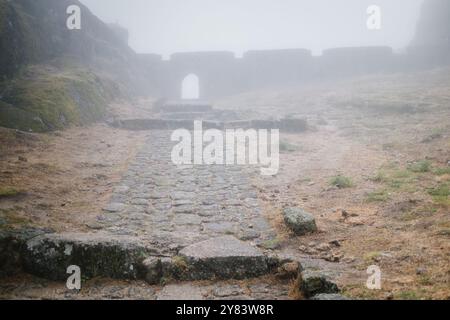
(420, 166)
(341, 182)
(288, 147)
(377, 196)
(442, 171)
(441, 194)
(7, 192)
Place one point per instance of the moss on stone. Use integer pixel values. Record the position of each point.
(43, 100)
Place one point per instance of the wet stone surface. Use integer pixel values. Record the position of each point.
(172, 207)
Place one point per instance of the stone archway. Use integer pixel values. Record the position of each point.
(190, 87)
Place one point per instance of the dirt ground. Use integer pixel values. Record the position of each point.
(373, 168)
(62, 180)
(388, 141)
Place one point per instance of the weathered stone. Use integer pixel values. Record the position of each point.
(121, 189)
(114, 207)
(299, 221)
(12, 244)
(223, 258)
(326, 296)
(288, 270)
(96, 254)
(249, 235)
(140, 202)
(314, 282)
(221, 227)
(181, 292)
(228, 291)
(152, 270)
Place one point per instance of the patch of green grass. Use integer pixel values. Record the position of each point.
(341, 182)
(441, 194)
(271, 244)
(425, 280)
(441, 171)
(420, 166)
(379, 177)
(287, 147)
(378, 196)
(8, 192)
(180, 263)
(408, 295)
(435, 134)
(372, 256)
(396, 179)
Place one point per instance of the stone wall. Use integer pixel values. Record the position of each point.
(221, 74)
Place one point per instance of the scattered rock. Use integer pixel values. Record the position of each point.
(299, 221)
(323, 247)
(333, 257)
(420, 271)
(114, 207)
(314, 282)
(335, 243)
(289, 270)
(23, 159)
(228, 291)
(181, 292)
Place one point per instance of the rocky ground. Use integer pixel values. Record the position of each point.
(372, 169)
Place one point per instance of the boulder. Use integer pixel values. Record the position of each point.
(313, 283)
(299, 221)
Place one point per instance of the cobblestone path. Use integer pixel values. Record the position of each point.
(171, 207)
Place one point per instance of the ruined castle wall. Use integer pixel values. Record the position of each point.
(221, 74)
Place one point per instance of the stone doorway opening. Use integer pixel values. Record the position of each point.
(190, 87)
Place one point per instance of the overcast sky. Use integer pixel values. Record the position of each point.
(167, 26)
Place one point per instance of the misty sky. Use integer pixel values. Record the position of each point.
(167, 26)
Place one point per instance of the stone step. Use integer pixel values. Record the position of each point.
(122, 257)
(183, 107)
(162, 124)
(284, 125)
(218, 258)
(186, 116)
(98, 255)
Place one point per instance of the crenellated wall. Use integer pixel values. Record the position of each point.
(221, 74)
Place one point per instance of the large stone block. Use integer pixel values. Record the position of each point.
(223, 258)
(50, 255)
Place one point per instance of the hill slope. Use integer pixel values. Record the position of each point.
(52, 77)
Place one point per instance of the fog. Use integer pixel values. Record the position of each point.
(167, 26)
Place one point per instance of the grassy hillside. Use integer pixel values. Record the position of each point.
(43, 99)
